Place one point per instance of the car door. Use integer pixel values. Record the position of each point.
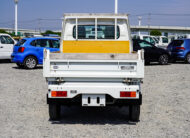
(6, 47)
(151, 53)
(40, 45)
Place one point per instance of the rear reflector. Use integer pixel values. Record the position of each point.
(58, 93)
(180, 48)
(127, 94)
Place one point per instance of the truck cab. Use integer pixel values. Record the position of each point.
(96, 65)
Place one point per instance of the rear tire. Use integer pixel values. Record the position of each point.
(163, 60)
(54, 111)
(187, 59)
(30, 62)
(134, 112)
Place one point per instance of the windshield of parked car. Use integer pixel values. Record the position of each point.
(144, 44)
(21, 42)
(146, 38)
(156, 40)
(164, 40)
(152, 41)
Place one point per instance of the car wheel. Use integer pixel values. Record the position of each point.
(30, 62)
(134, 112)
(163, 60)
(54, 111)
(188, 58)
(20, 65)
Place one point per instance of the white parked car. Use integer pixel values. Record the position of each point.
(147, 38)
(163, 41)
(6, 46)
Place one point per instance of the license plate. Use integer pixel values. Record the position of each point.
(93, 100)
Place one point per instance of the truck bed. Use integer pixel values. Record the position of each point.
(94, 66)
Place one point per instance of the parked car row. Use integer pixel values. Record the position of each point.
(28, 52)
(176, 50)
(159, 41)
(151, 52)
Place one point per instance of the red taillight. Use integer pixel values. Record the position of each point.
(180, 48)
(127, 94)
(21, 49)
(58, 93)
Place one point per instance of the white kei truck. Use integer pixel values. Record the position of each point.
(96, 65)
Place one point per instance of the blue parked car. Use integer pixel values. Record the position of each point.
(180, 50)
(28, 52)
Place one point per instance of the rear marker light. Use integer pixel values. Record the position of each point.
(21, 49)
(59, 94)
(127, 94)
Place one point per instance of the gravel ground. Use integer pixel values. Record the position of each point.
(165, 111)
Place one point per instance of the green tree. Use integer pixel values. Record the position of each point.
(155, 33)
(3, 31)
(51, 32)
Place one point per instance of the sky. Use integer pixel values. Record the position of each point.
(46, 14)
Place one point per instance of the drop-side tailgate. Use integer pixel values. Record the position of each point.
(116, 67)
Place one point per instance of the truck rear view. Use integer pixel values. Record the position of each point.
(95, 66)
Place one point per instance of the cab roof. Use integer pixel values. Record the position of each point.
(95, 15)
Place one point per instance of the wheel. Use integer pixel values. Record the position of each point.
(163, 60)
(54, 111)
(30, 62)
(187, 59)
(20, 65)
(134, 112)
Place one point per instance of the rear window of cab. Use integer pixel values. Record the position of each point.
(89, 32)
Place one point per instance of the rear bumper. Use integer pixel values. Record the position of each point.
(177, 55)
(17, 58)
(110, 88)
(111, 91)
(110, 101)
